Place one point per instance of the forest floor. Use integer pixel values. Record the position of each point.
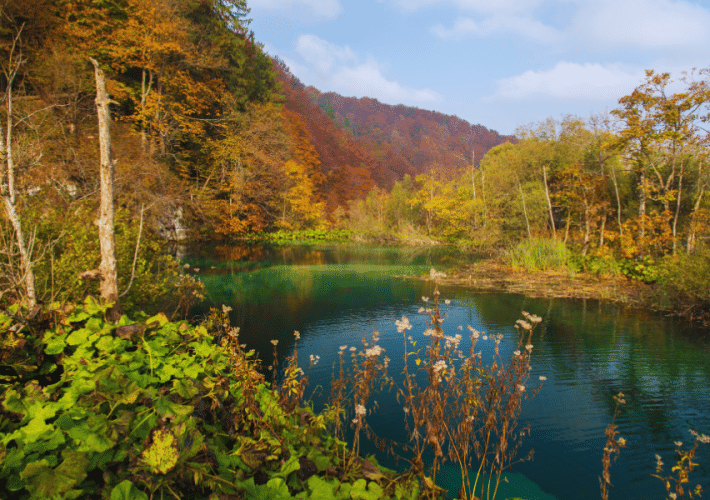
(493, 276)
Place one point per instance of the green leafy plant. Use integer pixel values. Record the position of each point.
(149, 408)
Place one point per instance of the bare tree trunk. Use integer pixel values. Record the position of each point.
(677, 208)
(483, 196)
(618, 201)
(525, 208)
(7, 178)
(693, 221)
(642, 201)
(587, 229)
(601, 231)
(691, 235)
(549, 202)
(145, 92)
(108, 287)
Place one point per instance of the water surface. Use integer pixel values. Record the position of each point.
(588, 350)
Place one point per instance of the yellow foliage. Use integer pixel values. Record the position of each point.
(162, 455)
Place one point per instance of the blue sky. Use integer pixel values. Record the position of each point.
(500, 63)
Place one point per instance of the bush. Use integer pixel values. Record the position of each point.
(157, 409)
(539, 254)
(684, 284)
(68, 244)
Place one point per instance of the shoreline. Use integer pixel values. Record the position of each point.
(488, 275)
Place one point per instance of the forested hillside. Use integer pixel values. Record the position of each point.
(214, 138)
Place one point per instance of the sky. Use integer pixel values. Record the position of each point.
(499, 63)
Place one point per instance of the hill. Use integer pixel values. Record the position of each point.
(364, 143)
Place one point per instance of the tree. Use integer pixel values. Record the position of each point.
(659, 133)
(7, 170)
(107, 268)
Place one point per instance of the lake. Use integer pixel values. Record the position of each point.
(588, 350)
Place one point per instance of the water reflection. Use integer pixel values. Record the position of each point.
(588, 350)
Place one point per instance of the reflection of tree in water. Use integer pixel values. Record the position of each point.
(249, 253)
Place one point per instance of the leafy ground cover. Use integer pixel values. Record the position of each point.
(149, 408)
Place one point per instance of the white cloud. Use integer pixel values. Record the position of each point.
(572, 81)
(651, 24)
(322, 8)
(332, 67)
(510, 6)
(366, 80)
(528, 28)
(323, 55)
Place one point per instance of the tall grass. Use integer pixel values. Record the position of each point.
(539, 254)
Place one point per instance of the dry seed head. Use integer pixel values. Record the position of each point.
(678, 443)
(275, 342)
(360, 410)
(439, 366)
(374, 351)
(447, 302)
(226, 309)
(425, 299)
(517, 353)
(403, 324)
(542, 377)
(297, 335)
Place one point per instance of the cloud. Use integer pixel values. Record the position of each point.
(322, 8)
(337, 68)
(678, 26)
(651, 24)
(572, 81)
(528, 28)
(509, 6)
(322, 55)
(366, 80)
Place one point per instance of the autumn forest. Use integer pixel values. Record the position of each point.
(213, 138)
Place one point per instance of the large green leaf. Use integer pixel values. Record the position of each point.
(364, 491)
(127, 491)
(43, 481)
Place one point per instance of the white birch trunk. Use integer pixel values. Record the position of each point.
(108, 287)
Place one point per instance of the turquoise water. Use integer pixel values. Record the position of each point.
(588, 350)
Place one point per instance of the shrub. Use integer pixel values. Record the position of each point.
(153, 408)
(539, 254)
(684, 284)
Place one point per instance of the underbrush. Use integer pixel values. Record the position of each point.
(683, 285)
(539, 254)
(149, 408)
(303, 236)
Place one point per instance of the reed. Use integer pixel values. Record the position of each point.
(538, 254)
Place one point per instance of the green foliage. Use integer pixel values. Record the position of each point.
(646, 269)
(72, 247)
(152, 407)
(303, 236)
(599, 265)
(684, 284)
(540, 254)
